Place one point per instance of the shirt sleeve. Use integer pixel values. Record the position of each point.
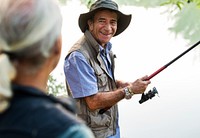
(78, 131)
(80, 75)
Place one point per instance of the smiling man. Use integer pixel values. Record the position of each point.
(103, 26)
(89, 70)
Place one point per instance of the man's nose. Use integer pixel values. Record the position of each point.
(108, 26)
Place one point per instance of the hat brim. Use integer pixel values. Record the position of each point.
(122, 23)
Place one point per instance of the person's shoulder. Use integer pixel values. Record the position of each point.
(65, 122)
(56, 110)
(54, 117)
(42, 115)
(46, 109)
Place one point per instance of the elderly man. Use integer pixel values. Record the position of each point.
(89, 69)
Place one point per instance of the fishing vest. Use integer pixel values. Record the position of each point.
(102, 125)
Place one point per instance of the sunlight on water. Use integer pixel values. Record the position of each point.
(143, 48)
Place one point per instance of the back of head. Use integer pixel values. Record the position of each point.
(28, 30)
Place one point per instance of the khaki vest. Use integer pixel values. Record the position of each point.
(102, 125)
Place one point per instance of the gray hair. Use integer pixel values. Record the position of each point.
(27, 28)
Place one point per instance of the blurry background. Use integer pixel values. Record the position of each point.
(156, 35)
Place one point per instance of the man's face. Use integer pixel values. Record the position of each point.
(104, 26)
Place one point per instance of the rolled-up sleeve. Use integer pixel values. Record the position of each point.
(80, 75)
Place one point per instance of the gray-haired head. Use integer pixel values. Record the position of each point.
(28, 28)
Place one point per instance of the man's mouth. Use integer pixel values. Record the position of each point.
(106, 34)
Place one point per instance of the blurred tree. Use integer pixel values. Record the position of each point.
(63, 1)
(87, 2)
(54, 87)
(187, 22)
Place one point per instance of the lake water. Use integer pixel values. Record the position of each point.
(143, 48)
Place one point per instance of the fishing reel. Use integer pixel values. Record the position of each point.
(149, 95)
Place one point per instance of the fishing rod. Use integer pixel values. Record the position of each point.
(151, 93)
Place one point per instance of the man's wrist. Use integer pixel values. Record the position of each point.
(128, 93)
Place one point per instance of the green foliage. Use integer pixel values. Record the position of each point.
(156, 3)
(63, 1)
(188, 22)
(54, 87)
(178, 3)
(141, 3)
(87, 2)
(181, 3)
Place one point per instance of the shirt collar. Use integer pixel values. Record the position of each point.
(95, 44)
(105, 50)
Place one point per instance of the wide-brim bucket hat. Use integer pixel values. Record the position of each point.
(122, 22)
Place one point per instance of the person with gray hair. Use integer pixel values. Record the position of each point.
(30, 48)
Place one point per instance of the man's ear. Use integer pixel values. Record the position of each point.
(56, 52)
(58, 46)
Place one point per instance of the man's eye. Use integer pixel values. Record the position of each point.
(114, 23)
(101, 21)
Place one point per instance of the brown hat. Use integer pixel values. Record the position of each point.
(122, 22)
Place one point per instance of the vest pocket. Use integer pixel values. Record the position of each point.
(100, 122)
(102, 80)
